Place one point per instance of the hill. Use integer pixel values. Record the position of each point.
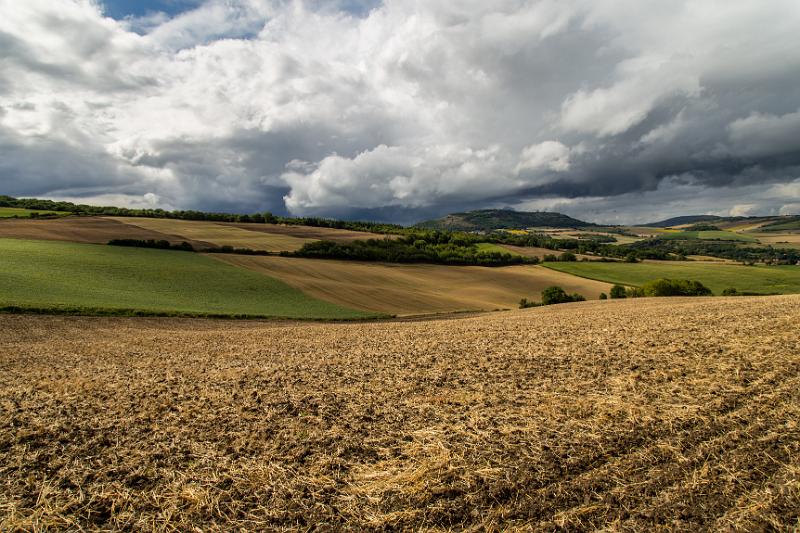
(642, 415)
(71, 278)
(772, 223)
(493, 219)
(782, 279)
(411, 289)
(678, 221)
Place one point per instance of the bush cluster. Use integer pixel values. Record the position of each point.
(152, 243)
(551, 296)
(703, 227)
(675, 287)
(668, 249)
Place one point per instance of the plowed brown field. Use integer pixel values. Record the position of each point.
(639, 415)
(95, 230)
(270, 237)
(415, 289)
(217, 234)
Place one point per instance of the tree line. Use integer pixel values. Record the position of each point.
(255, 218)
(428, 247)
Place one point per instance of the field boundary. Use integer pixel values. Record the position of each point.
(758, 280)
(547, 265)
(57, 310)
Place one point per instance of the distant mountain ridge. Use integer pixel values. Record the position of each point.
(686, 219)
(768, 221)
(494, 219)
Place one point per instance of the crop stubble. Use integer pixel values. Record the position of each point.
(680, 414)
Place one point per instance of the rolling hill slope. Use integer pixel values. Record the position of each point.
(87, 278)
(409, 289)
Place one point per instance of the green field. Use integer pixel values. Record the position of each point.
(706, 235)
(9, 212)
(103, 279)
(786, 226)
(489, 247)
(717, 277)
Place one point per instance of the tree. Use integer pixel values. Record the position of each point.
(617, 291)
(603, 296)
(675, 287)
(557, 295)
(634, 292)
(568, 257)
(554, 295)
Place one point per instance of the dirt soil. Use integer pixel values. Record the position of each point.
(94, 230)
(639, 415)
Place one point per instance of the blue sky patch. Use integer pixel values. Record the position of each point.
(119, 9)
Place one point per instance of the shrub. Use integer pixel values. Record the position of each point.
(730, 291)
(675, 287)
(550, 258)
(603, 296)
(557, 295)
(634, 292)
(152, 243)
(703, 227)
(618, 291)
(552, 295)
(631, 258)
(525, 303)
(568, 257)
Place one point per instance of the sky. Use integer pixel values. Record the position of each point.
(122, 9)
(615, 111)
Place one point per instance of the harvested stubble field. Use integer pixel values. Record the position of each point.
(779, 239)
(409, 289)
(671, 414)
(217, 234)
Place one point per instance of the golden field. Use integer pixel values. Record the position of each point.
(636, 415)
(410, 289)
(217, 234)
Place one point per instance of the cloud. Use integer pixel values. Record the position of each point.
(674, 196)
(613, 110)
(396, 176)
(761, 135)
(548, 155)
(404, 109)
